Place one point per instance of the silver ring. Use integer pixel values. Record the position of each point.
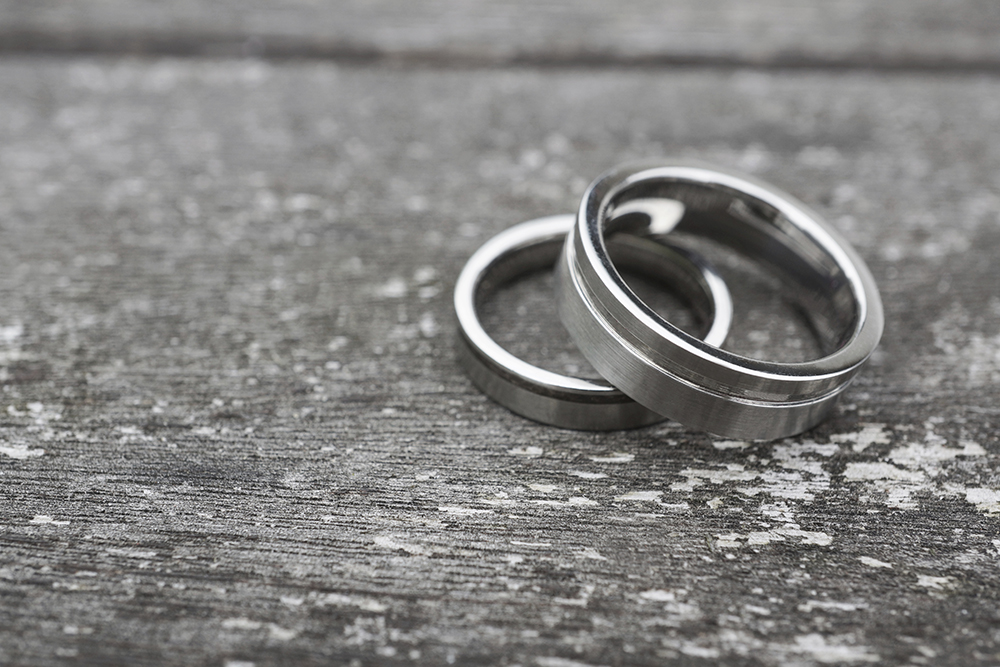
(677, 375)
(548, 397)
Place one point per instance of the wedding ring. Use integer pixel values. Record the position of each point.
(677, 375)
(548, 397)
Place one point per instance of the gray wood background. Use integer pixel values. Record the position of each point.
(233, 431)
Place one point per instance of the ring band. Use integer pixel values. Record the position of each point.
(548, 397)
(677, 375)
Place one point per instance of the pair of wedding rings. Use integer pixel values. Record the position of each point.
(652, 368)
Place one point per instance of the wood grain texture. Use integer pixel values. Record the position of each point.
(896, 33)
(234, 430)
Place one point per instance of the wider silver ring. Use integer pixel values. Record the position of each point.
(676, 374)
(548, 397)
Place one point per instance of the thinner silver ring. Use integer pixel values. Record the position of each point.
(552, 398)
(676, 374)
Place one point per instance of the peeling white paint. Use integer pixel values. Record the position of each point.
(337, 342)
(368, 631)
(798, 475)
(932, 583)
(424, 275)
(278, 633)
(387, 542)
(676, 507)
(870, 434)
(43, 414)
(790, 455)
(562, 662)
(394, 288)
(817, 647)
(985, 500)
(46, 519)
(21, 452)
(576, 501)
(274, 631)
(913, 467)
(586, 475)
(804, 650)
(10, 333)
(699, 651)
(363, 603)
(779, 512)
(428, 325)
(543, 488)
(729, 540)
(571, 602)
(37, 411)
(754, 609)
(789, 485)
(808, 537)
(730, 444)
(759, 538)
(142, 554)
(617, 457)
(658, 595)
(879, 471)
(589, 552)
(733, 472)
(899, 485)
(873, 562)
(499, 499)
(930, 454)
(73, 586)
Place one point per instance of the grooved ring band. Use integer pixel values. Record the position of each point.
(677, 375)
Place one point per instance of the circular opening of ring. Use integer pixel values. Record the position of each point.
(520, 315)
(792, 300)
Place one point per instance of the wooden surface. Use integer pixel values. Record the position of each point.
(908, 34)
(233, 427)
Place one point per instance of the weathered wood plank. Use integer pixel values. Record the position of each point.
(234, 429)
(900, 33)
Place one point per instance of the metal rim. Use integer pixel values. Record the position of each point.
(666, 369)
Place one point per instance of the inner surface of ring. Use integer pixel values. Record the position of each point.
(673, 281)
(815, 282)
